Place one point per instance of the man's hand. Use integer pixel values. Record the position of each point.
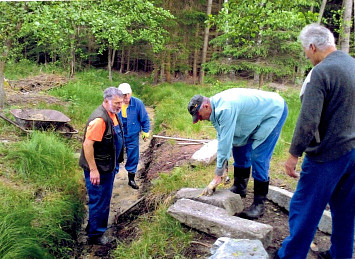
(145, 136)
(211, 187)
(95, 177)
(290, 166)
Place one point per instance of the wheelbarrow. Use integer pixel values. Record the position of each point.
(41, 119)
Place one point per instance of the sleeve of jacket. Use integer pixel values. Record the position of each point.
(227, 120)
(309, 117)
(143, 117)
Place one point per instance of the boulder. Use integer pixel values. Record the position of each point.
(222, 198)
(216, 221)
(206, 155)
(226, 247)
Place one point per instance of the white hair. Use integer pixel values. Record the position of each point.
(111, 92)
(318, 35)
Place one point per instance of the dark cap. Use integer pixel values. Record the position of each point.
(194, 105)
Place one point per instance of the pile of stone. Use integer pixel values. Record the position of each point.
(214, 215)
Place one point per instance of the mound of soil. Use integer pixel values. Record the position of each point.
(166, 155)
(31, 90)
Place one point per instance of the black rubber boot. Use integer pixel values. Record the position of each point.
(241, 178)
(324, 255)
(131, 181)
(256, 210)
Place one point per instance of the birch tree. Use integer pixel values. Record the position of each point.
(346, 26)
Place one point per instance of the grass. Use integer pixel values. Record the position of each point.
(170, 102)
(43, 192)
(40, 204)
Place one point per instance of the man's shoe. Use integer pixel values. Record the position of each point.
(131, 181)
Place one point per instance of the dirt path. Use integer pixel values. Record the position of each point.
(123, 198)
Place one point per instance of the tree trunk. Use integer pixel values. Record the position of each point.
(168, 66)
(162, 68)
(72, 63)
(345, 37)
(321, 11)
(2, 90)
(205, 41)
(156, 72)
(122, 61)
(128, 59)
(194, 67)
(109, 62)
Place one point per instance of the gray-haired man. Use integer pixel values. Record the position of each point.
(100, 157)
(325, 131)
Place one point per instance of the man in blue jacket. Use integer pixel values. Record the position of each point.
(135, 119)
(248, 122)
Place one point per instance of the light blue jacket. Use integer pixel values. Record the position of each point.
(137, 117)
(241, 115)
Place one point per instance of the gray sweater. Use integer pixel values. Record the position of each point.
(328, 107)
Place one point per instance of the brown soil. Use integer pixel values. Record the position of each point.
(162, 156)
(30, 91)
(165, 156)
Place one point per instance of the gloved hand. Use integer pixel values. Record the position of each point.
(145, 136)
(211, 187)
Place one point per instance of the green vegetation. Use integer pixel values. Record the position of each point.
(41, 204)
(42, 191)
(170, 101)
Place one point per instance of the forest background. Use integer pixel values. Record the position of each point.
(170, 39)
(168, 51)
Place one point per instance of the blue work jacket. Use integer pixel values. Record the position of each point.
(241, 115)
(137, 117)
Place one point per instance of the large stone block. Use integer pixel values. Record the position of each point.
(206, 155)
(216, 221)
(280, 196)
(283, 198)
(222, 198)
(226, 247)
(325, 223)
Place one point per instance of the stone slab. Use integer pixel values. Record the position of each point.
(283, 198)
(222, 198)
(206, 155)
(226, 247)
(216, 221)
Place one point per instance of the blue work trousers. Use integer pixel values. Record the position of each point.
(259, 158)
(132, 150)
(330, 182)
(99, 203)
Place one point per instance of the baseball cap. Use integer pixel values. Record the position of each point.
(125, 88)
(194, 105)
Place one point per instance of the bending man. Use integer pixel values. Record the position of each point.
(248, 122)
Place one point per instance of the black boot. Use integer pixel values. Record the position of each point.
(131, 181)
(256, 210)
(241, 178)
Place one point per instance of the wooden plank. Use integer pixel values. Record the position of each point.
(183, 139)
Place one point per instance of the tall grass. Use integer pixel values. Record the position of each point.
(40, 208)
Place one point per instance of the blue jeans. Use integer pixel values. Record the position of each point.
(132, 149)
(99, 203)
(330, 182)
(259, 158)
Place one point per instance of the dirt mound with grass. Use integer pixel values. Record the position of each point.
(31, 91)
